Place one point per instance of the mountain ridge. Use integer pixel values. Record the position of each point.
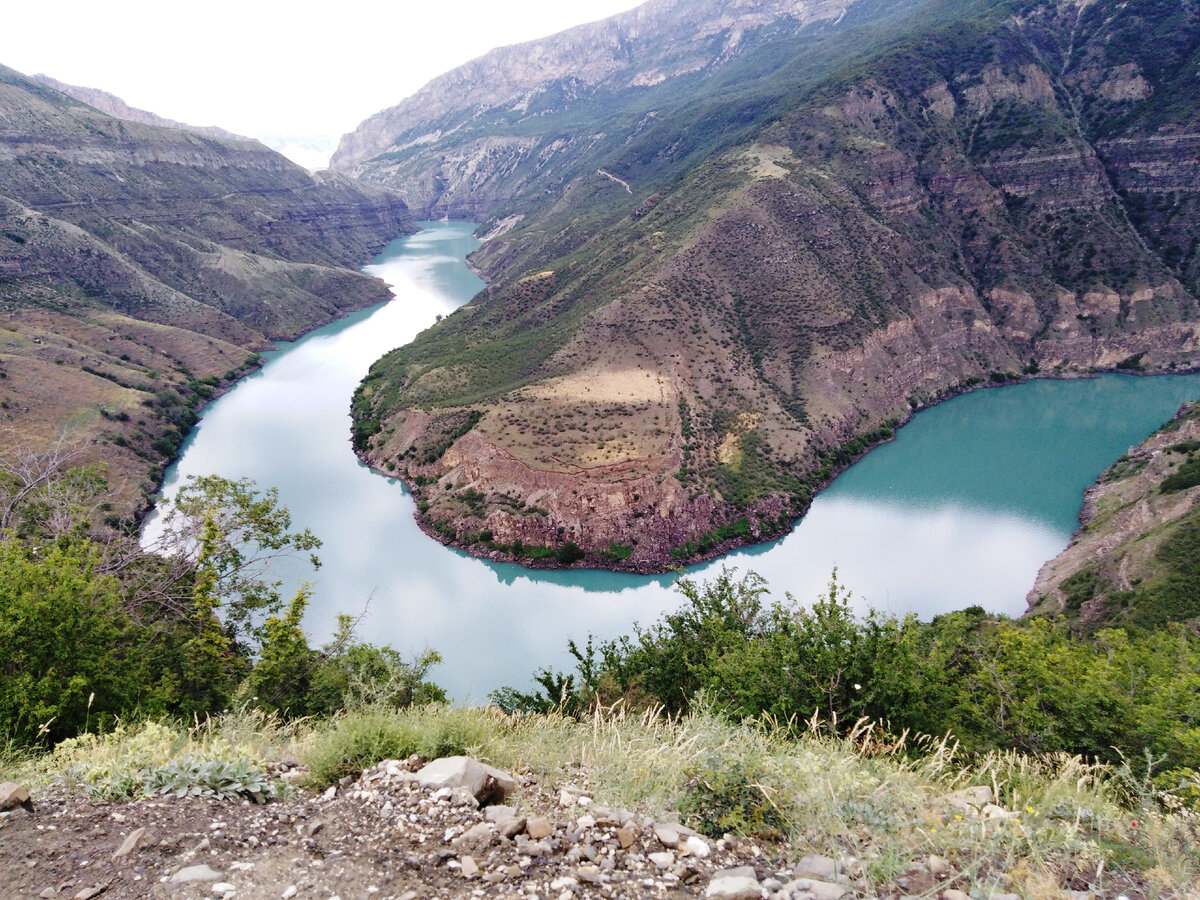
(962, 208)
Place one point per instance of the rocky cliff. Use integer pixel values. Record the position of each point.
(1134, 558)
(664, 369)
(142, 266)
(527, 115)
(112, 105)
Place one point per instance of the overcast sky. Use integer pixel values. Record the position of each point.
(288, 74)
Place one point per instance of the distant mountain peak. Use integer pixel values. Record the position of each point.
(642, 47)
(114, 106)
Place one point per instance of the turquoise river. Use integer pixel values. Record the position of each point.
(962, 508)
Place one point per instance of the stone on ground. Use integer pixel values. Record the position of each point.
(485, 783)
(195, 873)
(734, 884)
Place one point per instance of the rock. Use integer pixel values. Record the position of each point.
(195, 873)
(817, 867)
(734, 884)
(47, 893)
(221, 888)
(538, 828)
(477, 837)
(625, 837)
(289, 892)
(663, 860)
(826, 890)
(697, 846)
(565, 883)
(13, 795)
(89, 893)
(498, 814)
(938, 867)
(953, 894)
(590, 874)
(510, 827)
(1078, 895)
(992, 811)
(968, 799)
(468, 867)
(668, 835)
(485, 783)
(130, 843)
(1005, 897)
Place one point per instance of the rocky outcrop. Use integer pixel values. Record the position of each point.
(1114, 568)
(476, 137)
(114, 106)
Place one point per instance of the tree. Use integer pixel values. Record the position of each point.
(228, 534)
(72, 659)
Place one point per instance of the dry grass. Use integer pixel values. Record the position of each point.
(1057, 822)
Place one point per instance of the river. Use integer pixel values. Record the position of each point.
(962, 508)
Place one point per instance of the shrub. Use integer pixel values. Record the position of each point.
(357, 740)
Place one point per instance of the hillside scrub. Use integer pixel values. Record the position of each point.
(993, 683)
(100, 631)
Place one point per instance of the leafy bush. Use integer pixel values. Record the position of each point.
(217, 778)
(730, 793)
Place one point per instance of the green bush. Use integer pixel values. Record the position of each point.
(731, 793)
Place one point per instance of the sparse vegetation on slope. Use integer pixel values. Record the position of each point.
(1134, 560)
(144, 267)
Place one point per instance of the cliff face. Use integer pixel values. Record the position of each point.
(1134, 558)
(114, 106)
(141, 267)
(661, 370)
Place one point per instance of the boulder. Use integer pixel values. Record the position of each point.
(195, 873)
(13, 795)
(734, 884)
(818, 867)
(486, 784)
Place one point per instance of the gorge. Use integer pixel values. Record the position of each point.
(961, 509)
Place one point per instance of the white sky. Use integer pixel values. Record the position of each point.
(287, 74)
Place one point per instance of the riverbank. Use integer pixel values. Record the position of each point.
(743, 526)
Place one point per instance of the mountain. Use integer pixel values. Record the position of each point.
(1136, 557)
(676, 351)
(533, 116)
(142, 267)
(112, 105)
